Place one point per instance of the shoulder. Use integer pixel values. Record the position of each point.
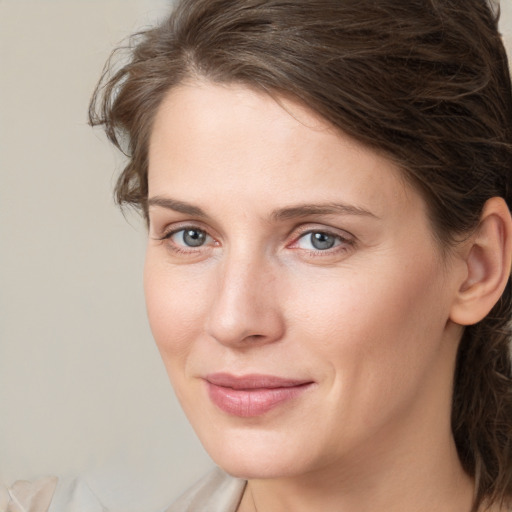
(75, 495)
(34, 496)
(50, 494)
(216, 492)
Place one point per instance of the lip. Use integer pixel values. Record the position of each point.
(252, 395)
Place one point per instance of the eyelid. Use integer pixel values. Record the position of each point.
(346, 239)
(168, 235)
(165, 233)
(167, 230)
(318, 228)
(173, 232)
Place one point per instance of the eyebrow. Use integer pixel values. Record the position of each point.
(291, 212)
(305, 210)
(177, 206)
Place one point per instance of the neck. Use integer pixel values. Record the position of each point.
(443, 487)
(417, 470)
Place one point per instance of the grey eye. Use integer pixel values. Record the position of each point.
(318, 241)
(322, 241)
(190, 237)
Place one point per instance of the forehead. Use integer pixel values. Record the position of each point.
(233, 138)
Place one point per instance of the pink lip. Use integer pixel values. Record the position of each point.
(252, 395)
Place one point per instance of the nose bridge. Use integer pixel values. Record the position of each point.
(245, 303)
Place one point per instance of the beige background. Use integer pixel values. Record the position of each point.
(82, 389)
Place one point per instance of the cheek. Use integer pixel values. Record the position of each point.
(378, 338)
(383, 324)
(174, 307)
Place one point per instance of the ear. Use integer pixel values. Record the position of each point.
(487, 258)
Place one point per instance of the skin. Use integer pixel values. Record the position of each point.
(368, 321)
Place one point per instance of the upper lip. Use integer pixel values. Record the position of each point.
(253, 381)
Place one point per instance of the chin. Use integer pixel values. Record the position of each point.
(258, 455)
(248, 469)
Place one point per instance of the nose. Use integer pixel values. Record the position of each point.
(246, 309)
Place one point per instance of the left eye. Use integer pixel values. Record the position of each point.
(190, 237)
(318, 241)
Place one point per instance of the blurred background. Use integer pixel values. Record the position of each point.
(82, 388)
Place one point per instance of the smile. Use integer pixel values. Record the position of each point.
(252, 395)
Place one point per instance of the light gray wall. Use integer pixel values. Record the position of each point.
(82, 389)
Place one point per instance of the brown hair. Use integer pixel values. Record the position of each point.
(426, 82)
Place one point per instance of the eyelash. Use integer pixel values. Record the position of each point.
(181, 249)
(342, 243)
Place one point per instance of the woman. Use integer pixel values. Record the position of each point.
(327, 188)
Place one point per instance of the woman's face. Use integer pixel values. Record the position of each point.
(293, 286)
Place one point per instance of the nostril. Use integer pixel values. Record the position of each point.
(254, 337)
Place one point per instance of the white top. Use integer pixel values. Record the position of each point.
(216, 492)
(49, 494)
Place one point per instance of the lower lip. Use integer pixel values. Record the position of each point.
(248, 403)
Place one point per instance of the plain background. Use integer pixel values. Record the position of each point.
(82, 388)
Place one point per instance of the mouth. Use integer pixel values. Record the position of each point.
(252, 395)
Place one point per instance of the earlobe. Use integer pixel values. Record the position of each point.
(488, 263)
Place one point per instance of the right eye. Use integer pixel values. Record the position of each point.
(189, 237)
